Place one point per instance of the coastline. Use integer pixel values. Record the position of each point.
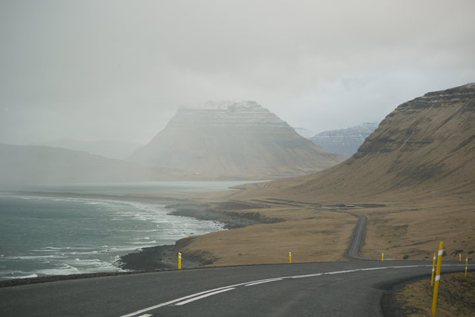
(165, 257)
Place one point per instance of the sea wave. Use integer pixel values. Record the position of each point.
(78, 235)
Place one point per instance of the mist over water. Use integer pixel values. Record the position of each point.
(124, 188)
(55, 236)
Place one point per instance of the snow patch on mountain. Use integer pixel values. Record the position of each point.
(306, 133)
(344, 141)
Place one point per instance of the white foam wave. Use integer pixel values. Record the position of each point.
(13, 275)
(145, 242)
(29, 276)
(166, 229)
(65, 269)
(35, 257)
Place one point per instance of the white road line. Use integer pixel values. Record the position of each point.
(375, 268)
(146, 315)
(180, 299)
(172, 302)
(203, 296)
(341, 272)
(306, 276)
(408, 266)
(265, 281)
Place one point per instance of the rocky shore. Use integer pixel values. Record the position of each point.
(158, 257)
(166, 257)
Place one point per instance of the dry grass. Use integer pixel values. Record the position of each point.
(309, 234)
(412, 231)
(455, 299)
(406, 227)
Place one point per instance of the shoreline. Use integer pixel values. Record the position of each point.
(165, 257)
(162, 257)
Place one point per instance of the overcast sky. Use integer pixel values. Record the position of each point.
(112, 69)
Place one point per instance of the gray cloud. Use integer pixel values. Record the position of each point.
(120, 69)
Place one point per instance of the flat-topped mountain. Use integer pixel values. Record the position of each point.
(236, 139)
(344, 141)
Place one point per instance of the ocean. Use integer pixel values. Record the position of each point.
(41, 236)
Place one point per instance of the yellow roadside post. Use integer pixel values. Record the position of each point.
(382, 257)
(437, 278)
(290, 257)
(433, 271)
(466, 266)
(460, 257)
(179, 260)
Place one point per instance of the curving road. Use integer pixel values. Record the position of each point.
(357, 240)
(312, 289)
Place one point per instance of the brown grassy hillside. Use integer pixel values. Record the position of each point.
(425, 146)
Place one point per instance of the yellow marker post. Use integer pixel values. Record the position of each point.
(433, 271)
(437, 278)
(466, 266)
(179, 260)
(382, 257)
(290, 257)
(460, 257)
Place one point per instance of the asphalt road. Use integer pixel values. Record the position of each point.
(313, 289)
(357, 240)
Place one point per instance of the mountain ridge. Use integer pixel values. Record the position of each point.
(233, 138)
(108, 148)
(425, 146)
(30, 164)
(344, 141)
